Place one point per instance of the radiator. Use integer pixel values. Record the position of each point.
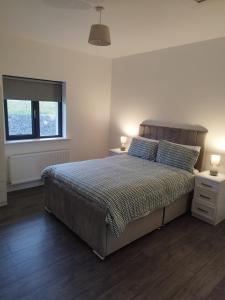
(27, 167)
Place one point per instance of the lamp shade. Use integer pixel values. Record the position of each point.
(123, 139)
(215, 159)
(99, 35)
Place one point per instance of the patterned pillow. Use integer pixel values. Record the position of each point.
(143, 148)
(176, 155)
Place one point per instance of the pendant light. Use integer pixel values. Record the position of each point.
(99, 34)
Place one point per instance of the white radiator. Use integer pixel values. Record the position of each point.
(27, 167)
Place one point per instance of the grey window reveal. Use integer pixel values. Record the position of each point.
(33, 108)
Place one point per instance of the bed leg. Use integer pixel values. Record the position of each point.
(48, 210)
(98, 255)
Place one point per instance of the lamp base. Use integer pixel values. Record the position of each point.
(123, 148)
(213, 172)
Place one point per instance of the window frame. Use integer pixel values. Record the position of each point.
(35, 115)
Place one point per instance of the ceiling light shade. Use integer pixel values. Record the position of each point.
(99, 33)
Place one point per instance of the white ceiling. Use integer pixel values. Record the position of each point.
(136, 25)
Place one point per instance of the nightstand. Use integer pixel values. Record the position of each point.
(117, 151)
(209, 198)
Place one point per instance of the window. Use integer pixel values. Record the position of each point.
(49, 118)
(33, 108)
(19, 117)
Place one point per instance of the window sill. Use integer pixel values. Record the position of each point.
(37, 140)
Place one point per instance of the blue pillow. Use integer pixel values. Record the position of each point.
(176, 155)
(143, 148)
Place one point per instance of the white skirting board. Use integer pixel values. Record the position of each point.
(23, 186)
(25, 168)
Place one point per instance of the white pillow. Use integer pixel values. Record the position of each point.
(196, 148)
(143, 138)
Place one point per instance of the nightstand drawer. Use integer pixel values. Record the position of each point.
(203, 210)
(206, 195)
(206, 184)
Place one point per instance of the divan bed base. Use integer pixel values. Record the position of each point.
(98, 255)
(87, 219)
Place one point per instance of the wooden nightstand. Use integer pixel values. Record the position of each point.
(117, 151)
(209, 198)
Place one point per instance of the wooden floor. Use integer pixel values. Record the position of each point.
(41, 259)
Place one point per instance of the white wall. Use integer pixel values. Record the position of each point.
(183, 84)
(88, 84)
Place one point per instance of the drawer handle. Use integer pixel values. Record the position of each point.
(207, 185)
(203, 196)
(203, 210)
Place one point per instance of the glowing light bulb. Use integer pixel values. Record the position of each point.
(123, 140)
(215, 161)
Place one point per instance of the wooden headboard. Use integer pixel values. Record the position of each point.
(181, 134)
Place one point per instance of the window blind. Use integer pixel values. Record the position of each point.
(31, 89)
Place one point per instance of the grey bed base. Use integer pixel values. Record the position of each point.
(87, 219)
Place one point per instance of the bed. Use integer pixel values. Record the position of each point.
(94, 198)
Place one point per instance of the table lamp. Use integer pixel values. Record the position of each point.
(123, 140)
(215, 161)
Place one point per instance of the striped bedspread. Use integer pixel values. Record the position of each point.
(128, 187)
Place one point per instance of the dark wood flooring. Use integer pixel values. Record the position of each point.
(41, 259)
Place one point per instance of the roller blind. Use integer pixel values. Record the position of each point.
(31, 89)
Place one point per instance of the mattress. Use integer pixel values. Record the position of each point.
(126, 187)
